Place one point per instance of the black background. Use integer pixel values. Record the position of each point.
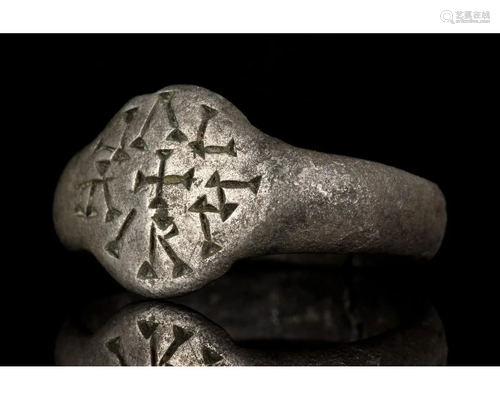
(421, 103)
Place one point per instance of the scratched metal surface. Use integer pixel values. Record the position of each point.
(179, 185)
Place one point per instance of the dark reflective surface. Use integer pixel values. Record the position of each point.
(287, 305)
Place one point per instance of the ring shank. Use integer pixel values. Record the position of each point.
(337, 204)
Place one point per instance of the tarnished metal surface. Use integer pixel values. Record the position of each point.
(179, 185)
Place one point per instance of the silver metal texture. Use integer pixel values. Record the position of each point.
(285, 316)
(179, 185)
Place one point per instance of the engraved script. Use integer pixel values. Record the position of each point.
(162, 226)
(148, 331)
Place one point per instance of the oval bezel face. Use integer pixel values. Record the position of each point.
(164, 195)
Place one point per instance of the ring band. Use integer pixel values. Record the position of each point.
(296, 317)
(180, 185)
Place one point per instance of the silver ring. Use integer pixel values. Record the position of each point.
(283, 316)
(179, 185)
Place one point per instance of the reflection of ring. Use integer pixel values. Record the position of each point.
(179, 186)
(291, 317)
